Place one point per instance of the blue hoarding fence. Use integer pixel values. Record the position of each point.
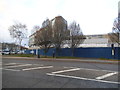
(91, 52)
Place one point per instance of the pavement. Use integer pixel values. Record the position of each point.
(86, 60)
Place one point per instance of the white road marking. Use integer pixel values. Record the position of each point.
(11, 69)
(18, 65)
(10, 63)
(92, 69)
(106, 75)
(38, 64)
(69, 67)
(37, 68)
(82, 78)
(97, 70)
(66, 70)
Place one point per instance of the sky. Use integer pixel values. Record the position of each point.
(94, 16)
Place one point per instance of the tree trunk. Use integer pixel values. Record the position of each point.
(72, 52)
(20, 47)
(45, 53)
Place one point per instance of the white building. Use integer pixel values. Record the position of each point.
(101, 40)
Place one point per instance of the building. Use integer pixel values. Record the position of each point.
(56, 22)
(11, 47)
(101, 40)
(59, 20)
(32, 40)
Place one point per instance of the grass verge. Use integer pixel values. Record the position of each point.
(60, 57)
(21, 55)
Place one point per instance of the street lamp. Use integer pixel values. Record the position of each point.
(38, 56)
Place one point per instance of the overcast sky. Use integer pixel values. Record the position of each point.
(94, 16)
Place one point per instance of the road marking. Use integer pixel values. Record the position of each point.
(106, 75)
(18, 65)
(10, 69)
(36, 68)
(10, 63)
(38, 64)
(82, 78)
(98, 70)
(92, 69)
(66, 70)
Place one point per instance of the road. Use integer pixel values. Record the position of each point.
(34, 73)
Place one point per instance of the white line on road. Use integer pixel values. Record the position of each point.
(97, 70)
(82, 78)
(18, 65)
(11, 69)
(66, 70)
(92, 69)
(106, 75)
(38, 64)
(37, 68)
(10, 63)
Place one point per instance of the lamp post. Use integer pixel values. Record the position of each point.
(118, 45)
(25, 48)
(113, 52)
(38, 53)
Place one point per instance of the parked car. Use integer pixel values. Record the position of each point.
(13, 52)
(20, 52)
(6, 52)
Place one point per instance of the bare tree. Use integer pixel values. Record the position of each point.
(35, 28)
(115, 35)
(76, 36)
(59, 32)
(43, 38)
(18, 31)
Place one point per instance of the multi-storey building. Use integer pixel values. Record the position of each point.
(59, 20)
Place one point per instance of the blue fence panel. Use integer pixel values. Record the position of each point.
(65, 52)
(92, 52)
(49, 53)
(27, 51)
(117, 53)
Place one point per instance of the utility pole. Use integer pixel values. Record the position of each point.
(38, 53)
(113, 51)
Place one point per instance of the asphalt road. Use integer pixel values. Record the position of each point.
(33, 73)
